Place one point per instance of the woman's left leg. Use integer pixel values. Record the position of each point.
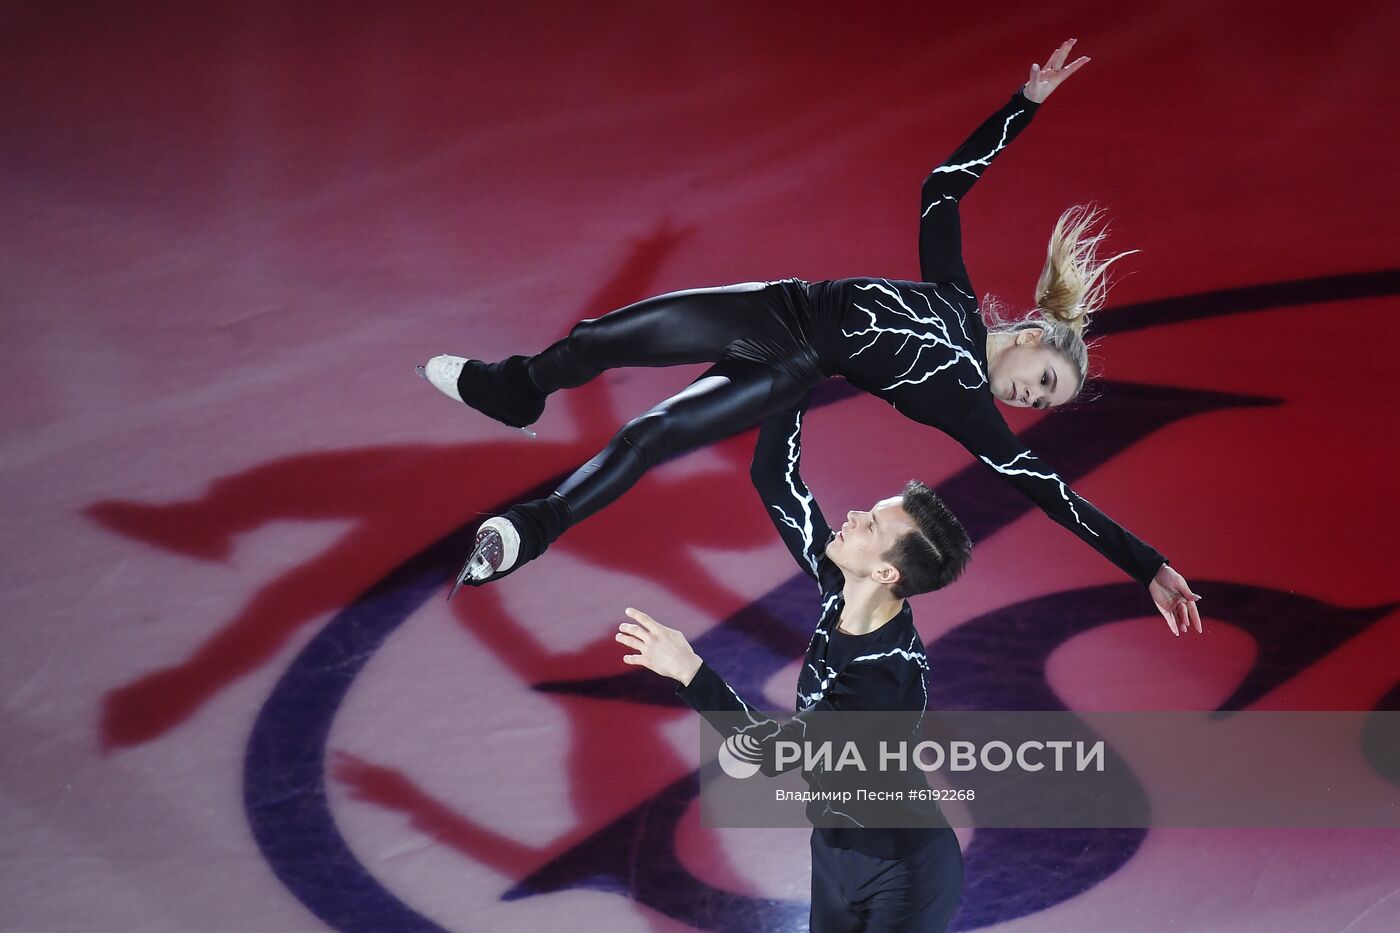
(691, 326)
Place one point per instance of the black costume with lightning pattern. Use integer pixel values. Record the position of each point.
(921, 346)
(882, 864)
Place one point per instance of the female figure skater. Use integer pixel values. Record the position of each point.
(921, 346)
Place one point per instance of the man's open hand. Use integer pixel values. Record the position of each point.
(661, 649)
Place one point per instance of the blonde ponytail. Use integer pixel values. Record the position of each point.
(1071, 289)
(1072, 285)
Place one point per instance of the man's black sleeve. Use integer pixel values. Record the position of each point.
(753, 736)
(786, 499)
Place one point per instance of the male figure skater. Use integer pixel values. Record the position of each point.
(864, 655)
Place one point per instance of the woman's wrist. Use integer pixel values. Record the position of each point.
(692, 668)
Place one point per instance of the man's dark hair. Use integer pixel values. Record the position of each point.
(935, 552)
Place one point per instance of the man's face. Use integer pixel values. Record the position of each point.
(862, 541)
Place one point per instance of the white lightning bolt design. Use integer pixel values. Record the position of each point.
(823, 684)
(911, 653)
(846, 815)
(747, 708)
(745, 742)
(1006, 469)
(801, 496)
(986, 159)
(935, 203)
(929, 331)
(742, 741)
(906, 653)
(827, 606)
(829, 613)
(922, 661)
(956, 309)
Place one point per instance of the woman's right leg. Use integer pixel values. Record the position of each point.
(729, 397)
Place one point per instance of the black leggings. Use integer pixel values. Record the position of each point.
(762, 366)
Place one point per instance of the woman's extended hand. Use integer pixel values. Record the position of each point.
(659, 648)
(1174, 600)
(1044, 80)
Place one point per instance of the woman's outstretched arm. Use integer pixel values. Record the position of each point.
(987, 437)
(940, 229)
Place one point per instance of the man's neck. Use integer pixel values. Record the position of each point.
(868, 605)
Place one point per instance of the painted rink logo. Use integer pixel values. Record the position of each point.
(284, 786)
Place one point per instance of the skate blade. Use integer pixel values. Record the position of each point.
(476, 569)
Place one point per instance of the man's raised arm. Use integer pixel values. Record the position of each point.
(786, 499)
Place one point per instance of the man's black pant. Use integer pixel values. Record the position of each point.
(852, 891)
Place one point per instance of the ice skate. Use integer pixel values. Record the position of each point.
(496, 549)
(507, 542)
(498, 390)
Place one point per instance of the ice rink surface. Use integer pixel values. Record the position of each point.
(234, 698)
